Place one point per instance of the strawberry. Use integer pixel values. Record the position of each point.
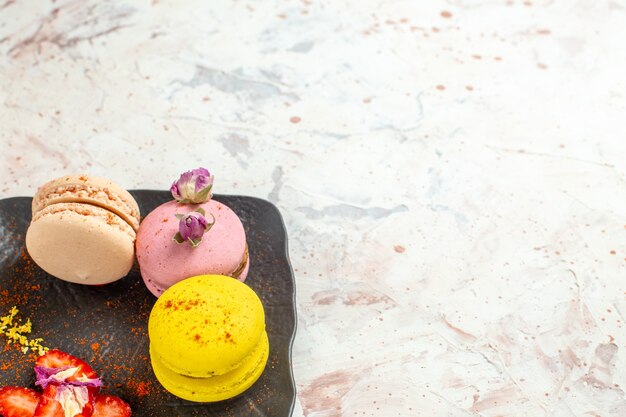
(18, 402)
(49, 407)
(70, 385)
(111, 406)
(57, 359)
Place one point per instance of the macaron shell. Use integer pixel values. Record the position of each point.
(158, 290)
(219, 387)
(164, 262)
(81, 243)
(205, 325)
(82, 188)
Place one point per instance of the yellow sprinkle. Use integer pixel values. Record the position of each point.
(17, 331)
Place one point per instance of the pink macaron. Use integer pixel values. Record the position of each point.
(166, 258)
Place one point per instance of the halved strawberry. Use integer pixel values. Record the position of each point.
(48, 405)
(70, 385)
(18, 402)
(57, 359)
(111, 406)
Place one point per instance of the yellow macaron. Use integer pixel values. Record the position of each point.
(207, 338)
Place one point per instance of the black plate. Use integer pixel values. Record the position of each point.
(107, 325)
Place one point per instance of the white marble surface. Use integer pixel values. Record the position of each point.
(451, 175)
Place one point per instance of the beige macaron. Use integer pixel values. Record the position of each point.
(83, 229)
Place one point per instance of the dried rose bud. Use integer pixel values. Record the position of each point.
(192, 226)
(193, 187)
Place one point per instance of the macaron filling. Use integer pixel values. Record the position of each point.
(218, 387)
(225, 368)
(242, 265)
(88, 194)
(159, 287)
(90, 211)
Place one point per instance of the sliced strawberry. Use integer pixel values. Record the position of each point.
(57, 359)
(48, 405)
(18, 402)
(111, 406)
(68, 388)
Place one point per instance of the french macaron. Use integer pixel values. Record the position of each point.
(191, 235)
(207, 338)
(83, 229)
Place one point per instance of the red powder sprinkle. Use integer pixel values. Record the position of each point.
(399, 248)
(542, 66)
(469, 88)
(612, 252)
(295, 119)
(446, 14)
(165, 220)
(142, 389)
(95, 347)
(441, 87)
